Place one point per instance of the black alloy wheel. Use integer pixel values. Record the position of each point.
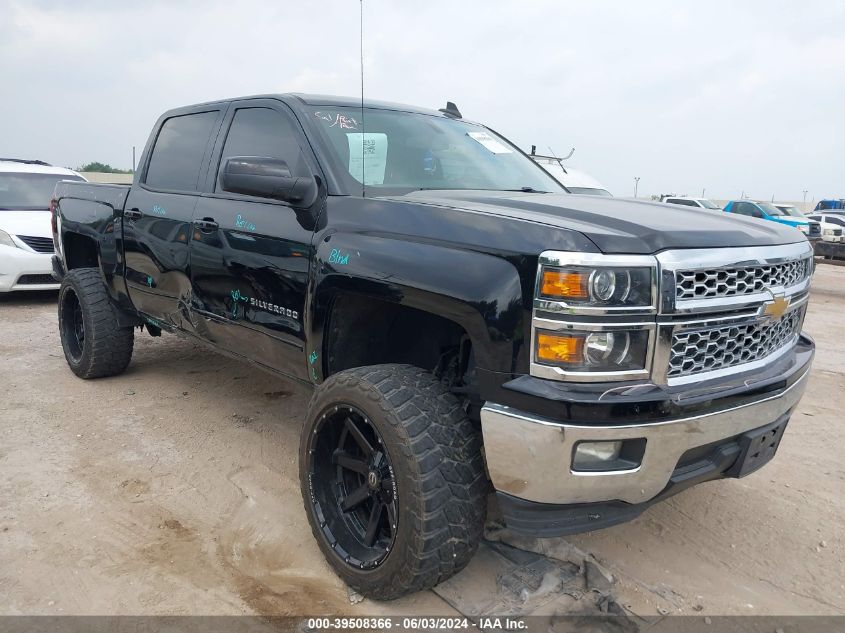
(73, 324)
(354, 487)
(392, 478)
(95, 342)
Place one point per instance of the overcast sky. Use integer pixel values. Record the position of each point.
(727, 96)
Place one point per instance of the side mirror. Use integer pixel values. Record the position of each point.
(268, 178)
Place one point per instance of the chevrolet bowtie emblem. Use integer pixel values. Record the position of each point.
(776, 307)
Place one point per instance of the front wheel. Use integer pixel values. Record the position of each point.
(392, 478)
(94, 344)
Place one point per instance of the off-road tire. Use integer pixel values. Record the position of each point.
(436, 454)
(106, 348)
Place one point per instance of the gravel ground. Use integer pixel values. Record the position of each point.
(173, 489)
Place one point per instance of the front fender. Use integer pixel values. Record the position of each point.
(480, 292)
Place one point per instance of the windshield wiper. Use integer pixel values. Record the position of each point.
(526, 190)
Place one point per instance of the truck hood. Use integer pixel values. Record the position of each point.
(35, 223)
(617, 225)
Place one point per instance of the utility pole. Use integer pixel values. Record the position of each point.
(133, 159)
(703, 189)
(804, 204)
(636, 185)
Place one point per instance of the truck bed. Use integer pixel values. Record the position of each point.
(85, 201)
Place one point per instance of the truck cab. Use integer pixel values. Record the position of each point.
(770, 212)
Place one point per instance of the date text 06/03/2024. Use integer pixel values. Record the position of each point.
(416, 623)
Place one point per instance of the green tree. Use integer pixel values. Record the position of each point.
(103, 168)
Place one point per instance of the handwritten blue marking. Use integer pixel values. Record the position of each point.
(237, 296)
(244, 224)
(149, 281)
(158, 210)
(312, 357)
(337, 257)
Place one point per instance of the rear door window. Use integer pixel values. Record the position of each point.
(179, 152)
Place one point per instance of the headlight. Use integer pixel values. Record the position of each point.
(604, 351)
(6, 240)
(597, 286)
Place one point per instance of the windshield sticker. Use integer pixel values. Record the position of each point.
(367, 157)
(337, 120)
(490, 143)
(244, 224)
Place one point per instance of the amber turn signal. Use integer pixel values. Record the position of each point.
(565, 284)
(560, 348)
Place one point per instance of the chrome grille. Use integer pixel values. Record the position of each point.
(729, 282)
(707, 349)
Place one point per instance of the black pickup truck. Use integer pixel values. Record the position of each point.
(466, 324)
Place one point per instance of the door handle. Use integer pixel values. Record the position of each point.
(133, 214)
(206, 224)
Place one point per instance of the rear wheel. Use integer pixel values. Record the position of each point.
(393, 479)
(93, 342)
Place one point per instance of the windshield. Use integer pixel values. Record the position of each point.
(403, 151)
(24, 192)
(709, 205)
(590, 191)
(790, 210)
(770, 208)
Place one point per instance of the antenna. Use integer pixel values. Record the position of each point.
(363, 124)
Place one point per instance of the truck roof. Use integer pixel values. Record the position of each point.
(296, 98)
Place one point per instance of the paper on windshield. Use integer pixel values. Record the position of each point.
(367, 156)
(490, 143)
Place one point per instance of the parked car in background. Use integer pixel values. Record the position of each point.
(832, 224)
(701, 203)
(832, 204)
(575, 180)
(768, 211)
(26, 239)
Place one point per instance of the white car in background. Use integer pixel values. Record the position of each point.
(575, 180)
(687, 201)
(832, 222)
(26, 237)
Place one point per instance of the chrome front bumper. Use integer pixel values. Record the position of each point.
(530, 457)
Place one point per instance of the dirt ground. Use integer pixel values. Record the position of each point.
(173, 489)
